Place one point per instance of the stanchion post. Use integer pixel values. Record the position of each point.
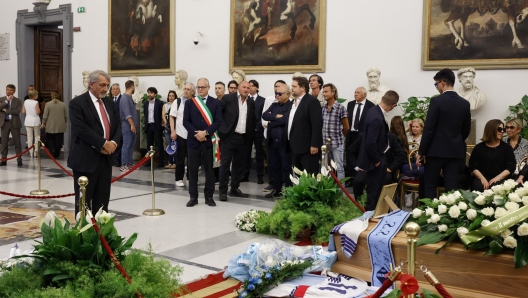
(412, 230)
(153, 211)
(83, 182)
(323, 156)
(328, 142)
(39, 191)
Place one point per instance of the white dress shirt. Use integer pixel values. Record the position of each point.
(360, 113)
(96, 104)
(151, 111)
(178, 114)
(295, 104)
(242, 115)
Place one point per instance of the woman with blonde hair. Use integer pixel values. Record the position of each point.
(415, 131)
(32, 122)
(518, 143)
(55, 121)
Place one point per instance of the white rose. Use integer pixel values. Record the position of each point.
(462, 206)
(509, 184)
(506, 233)
(522, 230)
(488, 211)
(462, 231)
(480, 199)
(450, 199)
(442, 228)
(454, 212)
(435, 218)
(485, 222)
(471, 214)
(520, 192)
(525, 200)
(500, 212)
(511, 206)
(429, 211)
(417, 212)
(442, 198)
(488, 192)
(442, 209)
(435, 201)
(514, 197)
(498, 189)
(510, 242)
(457, 195)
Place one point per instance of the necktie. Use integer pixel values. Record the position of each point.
(115, 98)
(356, 119)
(105, 119)
(9, 108)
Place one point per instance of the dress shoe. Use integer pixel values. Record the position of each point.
(192, 202)
(273, 195)
(235, 192)
(223, 197)
(260, 180)
(19, 163)
(3, 163)
(210, 202)
(268, 188)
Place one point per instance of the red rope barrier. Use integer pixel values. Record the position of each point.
(386, 284)
(36, 197)
(139, 164)
(346, 192)
(56, 162)
(18, 155)
(442, 291)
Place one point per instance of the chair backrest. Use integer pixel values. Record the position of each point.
(383, 206)
(411, 155)
(519, 165)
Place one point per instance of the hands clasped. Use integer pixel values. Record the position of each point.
(108, 148)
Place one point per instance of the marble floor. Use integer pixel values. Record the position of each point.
(201, 239)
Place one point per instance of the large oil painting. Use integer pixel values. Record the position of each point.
(141, 37)
(484, 34)
(278, 36)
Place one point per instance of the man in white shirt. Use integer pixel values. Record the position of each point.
(179, 132)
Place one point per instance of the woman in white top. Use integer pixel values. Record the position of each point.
(415, 131)
(179, 133)
(167, 130)
(32, 110)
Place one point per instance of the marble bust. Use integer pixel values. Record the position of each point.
(375, 89)
(238, 75)
(180, 78)
(468, 90)
(297, 74)
(137, 95)
(86, 79)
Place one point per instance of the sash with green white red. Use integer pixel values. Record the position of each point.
(208, 117)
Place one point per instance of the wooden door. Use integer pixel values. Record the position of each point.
(48, 61)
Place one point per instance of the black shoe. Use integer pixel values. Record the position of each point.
(3, 163)
(245, 179)
(210, 202)
(273, 195)
(269, 187)
(260, 180)
(235, 192)
(19, 163)
(192, 202)
(223, 197)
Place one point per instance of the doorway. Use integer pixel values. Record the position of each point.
(48, 61)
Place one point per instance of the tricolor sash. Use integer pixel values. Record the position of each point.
(208, 117)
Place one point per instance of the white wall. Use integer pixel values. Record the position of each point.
(360, 34)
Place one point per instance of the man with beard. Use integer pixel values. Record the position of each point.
(219, 90)
(232, 86)
(468, 90)
(375, 90)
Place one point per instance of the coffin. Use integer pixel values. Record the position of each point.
(463, 273)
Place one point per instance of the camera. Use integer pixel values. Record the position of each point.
(196, 40)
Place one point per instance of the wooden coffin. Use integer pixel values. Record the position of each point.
(463, 273)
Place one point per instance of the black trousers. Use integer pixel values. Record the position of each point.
(279, 164)
(153, 132)
(259, 155)
(98, 188)
(450, 167)
(233, 150)
(201, 155)
(349, 168)
(181, 155)
(375, 179)
(307, 161)
(270, 171)
(54, 143)
(360, 181)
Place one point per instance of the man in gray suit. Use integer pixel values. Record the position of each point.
(10, 108)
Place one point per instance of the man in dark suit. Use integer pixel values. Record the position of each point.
(10, 108)
(115, 96)
(258, 138)
(447, 126)
(154, 123)
(304, 131)
(357, 109)
(236, 131)
(95, 131)
(201, 117)
(371, 157)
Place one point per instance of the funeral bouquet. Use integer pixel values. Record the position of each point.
(493, 220)
(247, 221)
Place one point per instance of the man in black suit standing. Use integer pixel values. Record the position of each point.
(305, 127)
(258, 138)
(154, 123)
(115, 96)
(371, 157)
(357, 109)
(95, 131)
(447, 126)
(202, 116)
(236, 130)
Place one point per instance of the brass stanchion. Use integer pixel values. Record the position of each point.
(82, 181)
(412, 230)
(153, 211)
(39, 191)
(328, 142)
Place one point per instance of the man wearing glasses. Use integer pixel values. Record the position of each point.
(447, 126)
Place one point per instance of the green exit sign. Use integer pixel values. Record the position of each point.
(81, 9)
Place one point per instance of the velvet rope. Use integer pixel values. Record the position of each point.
(386, 284)
(442, 291)
(346, 192)
(139, 164)
(18, 155)
(56, 162)
(35, 197)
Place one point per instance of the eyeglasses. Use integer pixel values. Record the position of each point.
(436, 85)
(500, 129)
(279, 93)
(510, 127)
(201, 87)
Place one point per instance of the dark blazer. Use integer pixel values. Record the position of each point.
(16, 108)
(116, 103)
(158, 109)
(230, 114)
(259, 107)
(193, 120)
(376, 139)
(87, 135)
(274, 123)
(447, 126)
(350, 110)
(307, 126)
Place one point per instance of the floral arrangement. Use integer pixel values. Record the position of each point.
(271, 276)
(494, 219)
(247, 221)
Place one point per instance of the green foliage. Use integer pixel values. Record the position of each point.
(311, 190)
(415, 107)
(520, 111)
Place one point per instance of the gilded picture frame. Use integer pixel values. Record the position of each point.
(141, 37)
(278, 36)
(488, 41)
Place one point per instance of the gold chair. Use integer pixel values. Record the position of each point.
(519, 165)
(411, 186)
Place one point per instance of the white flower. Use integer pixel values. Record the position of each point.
(429, 211)
(297, 171)
(480, 200)
(471, 214)
(435, 201)
(498, 200)
(498, 189)
(450, 199)
(522, 230)
(514, 197)
(487, 192)
(506, 233)
(49, 219)
(442, 228)
(442, 209)
(454, 211)
(462, 206)
(525, 200)
(319, 177)
(270, 262)
(488, 211)
(509, 184)
(434, 218)
(485, 222)
(333, 164)
(442, 198)
(324, 171)
(305, 173)
(417, 212)
(510, 242)
(294, 180)
(457, 195)
(511, 206)
(462, 231)
(500, 212)
(98, 214)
